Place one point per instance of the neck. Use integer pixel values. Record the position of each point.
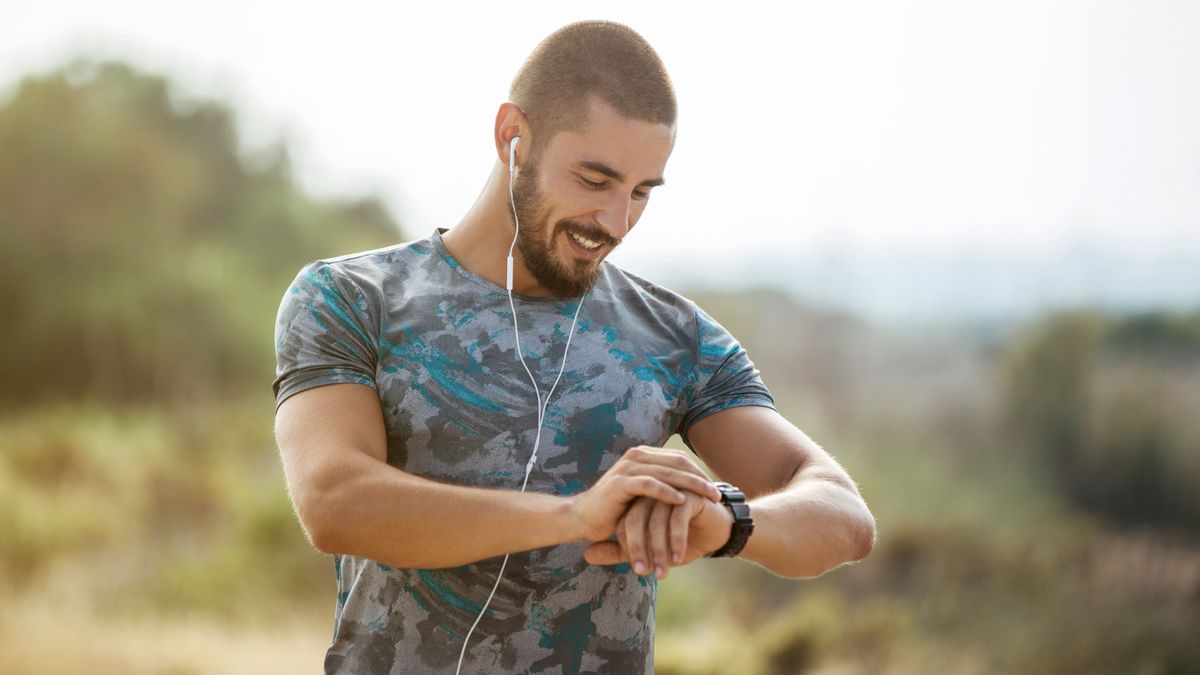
(480, 240)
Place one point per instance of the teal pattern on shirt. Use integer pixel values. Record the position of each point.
(436, 342)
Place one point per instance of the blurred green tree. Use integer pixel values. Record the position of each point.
(145, 255)
(1048, 400)
(1106, 406)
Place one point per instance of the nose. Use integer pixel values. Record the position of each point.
(614, 215)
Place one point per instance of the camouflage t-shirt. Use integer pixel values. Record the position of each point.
(436, 342)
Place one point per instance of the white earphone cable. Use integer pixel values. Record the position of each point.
(541, 408)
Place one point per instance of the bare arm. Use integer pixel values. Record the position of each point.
(808, 514)
(333, 445)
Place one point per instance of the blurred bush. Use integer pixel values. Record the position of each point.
(145, 254)
(142, 510)
(1107, 406)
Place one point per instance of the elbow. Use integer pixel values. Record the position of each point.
(850, 544)
(860, 533)
(856, 542)
(323, 539)
(315, 513)
(863, 538)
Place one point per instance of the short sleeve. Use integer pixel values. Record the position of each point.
(322, 333)
(725, 377)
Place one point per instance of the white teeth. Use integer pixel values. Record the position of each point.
(584, 242)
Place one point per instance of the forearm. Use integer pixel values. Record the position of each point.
(370, 509)
(816, 523)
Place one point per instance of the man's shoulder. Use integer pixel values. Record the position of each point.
(384, 255)
(374, 268)
(622, 281)
(652, 297)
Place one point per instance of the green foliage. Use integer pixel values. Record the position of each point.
(185, 510)
(1100, 407)
(1162, 335)
(1050, 386)
(150, 254)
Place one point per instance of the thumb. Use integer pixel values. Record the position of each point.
(604, 553)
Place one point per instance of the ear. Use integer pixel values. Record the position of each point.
(510, 123)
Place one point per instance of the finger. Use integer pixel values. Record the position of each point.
(635, 534)
(633, 487)
(649, 455)
(621, 540)
(680, 520)
(675, 479)
(657, 532)
(605, 553)
(646, 455)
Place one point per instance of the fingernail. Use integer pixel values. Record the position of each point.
(675, 557)
(659, 571)
(639, 567)
(679, 495)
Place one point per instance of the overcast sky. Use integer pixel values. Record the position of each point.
(870, 127)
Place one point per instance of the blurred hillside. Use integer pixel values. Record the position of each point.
(145, 247)
(1036, 489)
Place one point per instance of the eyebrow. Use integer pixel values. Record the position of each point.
(602, 168)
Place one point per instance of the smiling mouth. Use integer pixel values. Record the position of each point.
(588, 240)
(584, 241)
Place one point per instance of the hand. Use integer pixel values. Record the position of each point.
(642, 472)
(674, 534)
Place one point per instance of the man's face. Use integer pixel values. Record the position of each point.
(583, 193)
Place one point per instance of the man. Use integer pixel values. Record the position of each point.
(407, 414)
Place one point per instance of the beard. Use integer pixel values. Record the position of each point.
(562, 278)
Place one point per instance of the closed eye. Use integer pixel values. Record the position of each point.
(593, 185)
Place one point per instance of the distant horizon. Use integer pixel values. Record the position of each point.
(903, 161)
(945, 288)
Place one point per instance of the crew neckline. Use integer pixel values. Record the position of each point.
(457, 266)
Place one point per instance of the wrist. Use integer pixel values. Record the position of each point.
(738, 517)
(726, 525)
(568, 523)
(576, 522)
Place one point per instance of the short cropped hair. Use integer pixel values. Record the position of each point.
(591, 58)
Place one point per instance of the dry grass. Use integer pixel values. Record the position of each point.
(38, 635)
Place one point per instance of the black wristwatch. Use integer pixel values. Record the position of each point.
(743, 524)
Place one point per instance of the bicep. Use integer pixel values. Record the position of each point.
(324, 431)
(756, 448)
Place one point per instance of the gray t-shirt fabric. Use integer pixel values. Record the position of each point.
(436, 341)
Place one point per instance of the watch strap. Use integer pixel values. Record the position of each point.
(743, 524)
